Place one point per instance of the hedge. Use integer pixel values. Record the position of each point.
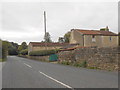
(42, 52)
(24, 52)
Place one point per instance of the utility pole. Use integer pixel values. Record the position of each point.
(45, 22)
(45, 29)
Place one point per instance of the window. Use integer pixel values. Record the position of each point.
(93, 38)
(110, 38)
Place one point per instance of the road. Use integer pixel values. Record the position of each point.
(25, 73)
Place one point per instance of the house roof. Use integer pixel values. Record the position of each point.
(96, 32)
(68, 49)
(48, 44)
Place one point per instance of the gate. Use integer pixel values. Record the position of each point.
(53, 57)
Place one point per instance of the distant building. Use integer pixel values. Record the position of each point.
(88, 38)
(36, 46)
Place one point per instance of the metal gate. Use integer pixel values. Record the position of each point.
(53, 57)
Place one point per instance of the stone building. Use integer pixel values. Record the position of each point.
(36, 46)
(99, 38)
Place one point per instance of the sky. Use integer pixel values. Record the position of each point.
(23, 21)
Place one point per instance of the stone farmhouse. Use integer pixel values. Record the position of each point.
(36, 46)
(91, 38)
(80, 38)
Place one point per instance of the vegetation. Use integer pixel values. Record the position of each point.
(92, 68)
(66, 63)
(77, 64)
(0, 49)
(24, 52)
(119, 38)
(23, 46)
(104, 29)
(61, 40)
(4, 50)
(7, 48)
(84, 64)
(12, 48)
(47, 37)
(42, 52)
(67, 37)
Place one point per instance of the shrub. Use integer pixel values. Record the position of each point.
(92, 68)
(77, 64)
(66, 63)
(84, 64)
(42, 52)
(24, 52)
(4, 49)
(12, 51)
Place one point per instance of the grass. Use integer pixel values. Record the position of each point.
(77, 64)
(92, 68)
(2, 60)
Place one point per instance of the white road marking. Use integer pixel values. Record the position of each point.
(28, 65)
(55, 80)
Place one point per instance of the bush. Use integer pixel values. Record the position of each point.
(12, 51)
(77, 64)
(24, 52)
(66, 63)
(4, 49)
(42, 52)
(84, 64)
(92, 68)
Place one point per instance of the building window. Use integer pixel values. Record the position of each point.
(93, 38)
(110, 38)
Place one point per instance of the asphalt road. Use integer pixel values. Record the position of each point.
(25, 73)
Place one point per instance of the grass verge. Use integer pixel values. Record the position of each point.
(2, 60)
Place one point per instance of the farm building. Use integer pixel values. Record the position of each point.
(88, 38)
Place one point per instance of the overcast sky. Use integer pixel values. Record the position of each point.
(23, 21)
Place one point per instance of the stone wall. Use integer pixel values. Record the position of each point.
(40, 58)
(102, 58)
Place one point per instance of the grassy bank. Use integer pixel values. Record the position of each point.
(2, 60)
(83, 64)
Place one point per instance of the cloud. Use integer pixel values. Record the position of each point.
(24, 20)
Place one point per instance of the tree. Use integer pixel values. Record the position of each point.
(12, 48)
(22, 46)
(67, 37)
(47, 37)
(119, 38)
(0, 48)
(12, 51)
(61, 40)
(24, 52)
(104, 29)
(15, 45)
(4, 49)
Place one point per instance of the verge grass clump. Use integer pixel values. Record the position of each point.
(76, 64)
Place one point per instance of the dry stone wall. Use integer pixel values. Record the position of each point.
(101, 58)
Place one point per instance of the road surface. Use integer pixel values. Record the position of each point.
(25, 73)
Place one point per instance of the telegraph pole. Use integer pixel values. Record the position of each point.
(45, 22)
(45, 29)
